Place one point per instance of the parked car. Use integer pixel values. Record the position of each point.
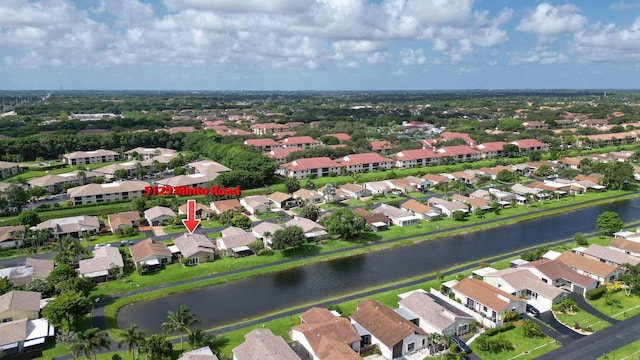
(98, 246)
(532, 310)
(462, 346)
(125, 242)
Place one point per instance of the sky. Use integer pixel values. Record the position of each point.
(325, 45)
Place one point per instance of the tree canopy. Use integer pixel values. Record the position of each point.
(290, 236)
(609, 222)
(345, 223)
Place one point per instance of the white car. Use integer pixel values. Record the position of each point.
(98, 246)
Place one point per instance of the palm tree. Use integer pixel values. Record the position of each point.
(198, 339)
(89, 342)
(82, 176)
(132, 337)
(180, 321)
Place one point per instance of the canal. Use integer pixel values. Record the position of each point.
(248, 298)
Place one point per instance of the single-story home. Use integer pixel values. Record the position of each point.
(202, 211)
(265, 230)
(259, 342)
(157, 214)
(590, 267)
(424, 212)
(355, 191)
(326, 335)
(236, 243)
(309, 196)
(222, 206)
(312, 230)
(99, 268)
(282, 200)
(121, 220)
(73, 226)
(560, 275)
(150, 253)
(195, 248)
(255, 205)
(397, 216)
(11, 236)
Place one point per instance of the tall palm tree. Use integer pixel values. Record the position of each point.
(89, 342)
(132, 337)
(181, 322)
(82, 176)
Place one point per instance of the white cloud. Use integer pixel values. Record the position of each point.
(607, 43)
(245, 6)
(412, 57)
(548, 20)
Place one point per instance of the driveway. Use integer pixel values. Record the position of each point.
(586, 307)
(554, 329)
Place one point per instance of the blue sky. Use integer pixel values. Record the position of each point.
(318, 44)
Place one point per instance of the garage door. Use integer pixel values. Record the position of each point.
(577, 289)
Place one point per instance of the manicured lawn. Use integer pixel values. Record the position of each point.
(524, 348)
(618, 304)
(268, 216)
(174, 229)
(631, 351)
(207, 224)
(584, 319)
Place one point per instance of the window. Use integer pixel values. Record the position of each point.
(410, 347)
(7, 320)
(484, 308)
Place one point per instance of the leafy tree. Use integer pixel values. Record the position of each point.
(609, 222)
(16, 196)
(60, 273)
(617, 174)
(290, 236)
(532, 330)
(139, 205)
(580, 239)
(329, 190)
(132, 337)
(157, 347)
(5, 285)
(291, 185)
(510, 150)
(535, 155)
(544, 170)
(129, 231)
(42, 286)
(68, 250)
(180, 322)
(310, 211)
(89, 342)
(37, 192)
(66, 309)
(510, 124)
(256, 246)
(309, 185)
(77, 284)
(458, 216)
(241, 221)
(120, 174)
(29, 218)
(198, 339)
(345, 223)
(506, 176)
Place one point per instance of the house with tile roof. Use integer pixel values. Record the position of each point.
(434, 315)
(147, 153)
(424, 212)
(20, 326)
(262, 344)
(527, 145)
(415, 158)
(560, 275)
(207, 167)
(355, 191)
(266, 144)
(376, 221)
(280, 155)
(11, 236)
(524, 284)
(73, 226)
(18, 304)
(305, 167)
(308, 196)
(203, 353)
(195, 248)
(364, 162)
(256, 204)
(460, 153)
(340, 136)
(53, 183)
(97, 193)
(8, 169)
(105, 265)
(197, 180)
(449, 135)
(300, 142)
(150, 253)
(267, 228)
(158, 214)
(268, 128)
(397, 216)
(235, 243)
(394, 335)
(311, 229)
(592, 268)
(90, 157)
(490, 150)
(222, 206)
(326, 335)
(485, 299)
(119, 221)
(202, 211)
(381, 146)
(607, 255)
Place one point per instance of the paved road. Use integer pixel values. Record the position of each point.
(599, 343)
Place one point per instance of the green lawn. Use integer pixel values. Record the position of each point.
(617, 304)
(584, 319)
(268, 216)
(524, 348)
(631, 351)
(174, 229)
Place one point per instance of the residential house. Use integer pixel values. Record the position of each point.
(18, 304)
(129, 167)
(465, 176)
(327, 336)
(397, 216)
(106, 264)
(268, 128)
(97, 193)
(90, 157)
(73, 226)
(376, 221)
(460, 153)
(446, 207)
(417, 183)
(629, 247)
(311, 229)
(197, 180)
(308, 196)
(434, 179)
(146, 153)
(222, 206)
(11, 236)
(492, 172)
(378, 187)
(8, 169)
(415, 157)
(434, 315)
(449, 135)
(472, 203)
(202, 211)
(527, 145)
(264, 231)
(207, 167)
(158, 214)
(53, 183)
(381, 146)
(480, 194)
(280, 155)
(150, 253)
(524, 284)
(235, 242)
(592, 268)
(282, 200)
(300, 142)
(203, 353)
(401, 186)
(364, 162)
(355, 191)
(424, 212)
(266, 144)
(255, 205)
(530, 125)
(490, 150)
(306, 167)
(560, 275)
(485, 299)
(121, 220)
(262, 344)
(608, 256)
(195, 248)
(342, 137)
(394, 335)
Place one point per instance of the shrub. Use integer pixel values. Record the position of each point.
(265, 251)
(596, 293)
(501, 329)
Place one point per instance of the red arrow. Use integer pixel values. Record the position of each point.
(191, 223)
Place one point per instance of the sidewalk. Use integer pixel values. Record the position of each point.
(158, 230)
